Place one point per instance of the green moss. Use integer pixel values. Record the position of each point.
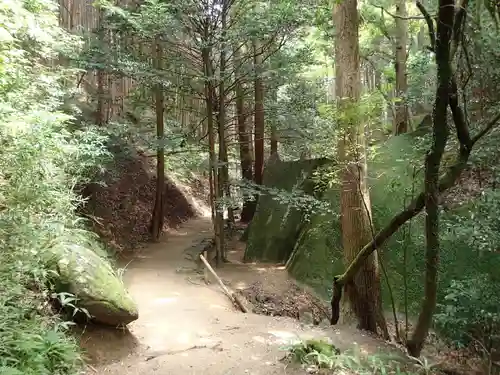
(318, 251)
(92, 279)
(395, 175)
(277, 223)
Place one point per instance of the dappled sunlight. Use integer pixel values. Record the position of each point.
(165, 300)
(259, 339)
(184, 338)
(284, 337)
(269, 219)
(174, 232)
(283, 334)
(270, 268)
(215, 306)
(241, 285)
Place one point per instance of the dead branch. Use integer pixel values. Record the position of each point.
(396, 16)
(232, 295)
(172, 352)
(430, 24)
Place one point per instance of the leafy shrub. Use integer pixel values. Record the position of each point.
(320, 354)
(468, 310)
(469, 313)
(41, 160)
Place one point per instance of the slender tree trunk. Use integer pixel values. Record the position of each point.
(401, 111)
(158, 217)
(244, 142)
(363, 293)
(223, 186)
(100, 120)
(209, 104)
(258, 115)
(421, 36)
(432, 166)
(274, 132)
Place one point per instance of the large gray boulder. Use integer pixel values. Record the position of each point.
(95, 283)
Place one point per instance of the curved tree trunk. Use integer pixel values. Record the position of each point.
(432, 166)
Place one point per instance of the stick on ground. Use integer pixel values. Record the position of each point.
(232, 295)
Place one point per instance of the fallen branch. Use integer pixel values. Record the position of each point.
(171, 352)
(232, 295)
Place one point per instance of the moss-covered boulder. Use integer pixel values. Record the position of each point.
(94, 282)
(395, 175)
(317, 256)
(273, 232)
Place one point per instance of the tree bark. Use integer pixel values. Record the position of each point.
(363, 292)
(244, 142)
(209, 107)
(157, 219)
(99, 114)
(258, 114)
(274, 132)
(223, 187)
(401, 111)
(432, 166)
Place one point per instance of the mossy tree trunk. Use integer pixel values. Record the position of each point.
(432, 166)
(363, 293)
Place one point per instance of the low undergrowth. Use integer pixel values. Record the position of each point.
(320, 356)
(41, 160)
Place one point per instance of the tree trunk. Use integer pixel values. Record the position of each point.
(244, 141)
(363, 294)
(432, 166)
(421, 36)
(99, 114)
(223, 173)
(158, 217)
(274, 133)
(401, 111)
(209, 107)
(258, 115)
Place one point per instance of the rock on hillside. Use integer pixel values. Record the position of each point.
(314, 241)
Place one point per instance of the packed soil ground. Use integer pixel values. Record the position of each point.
(185, 325)
(188, 327)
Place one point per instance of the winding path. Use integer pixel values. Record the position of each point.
(189, 328)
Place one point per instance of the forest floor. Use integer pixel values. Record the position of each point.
(188, 327)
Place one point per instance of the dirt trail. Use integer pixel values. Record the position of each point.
(186, 327)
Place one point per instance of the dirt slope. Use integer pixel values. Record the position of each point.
(120, 206)
(186, 327)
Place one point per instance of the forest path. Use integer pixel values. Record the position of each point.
(186, 327)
